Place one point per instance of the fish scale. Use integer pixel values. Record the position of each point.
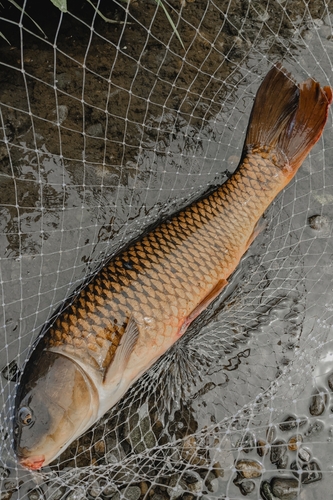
(144, 298)
(174, 265)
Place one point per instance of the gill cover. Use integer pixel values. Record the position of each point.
(55, 403)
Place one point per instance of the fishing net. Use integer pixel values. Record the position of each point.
(114, 115)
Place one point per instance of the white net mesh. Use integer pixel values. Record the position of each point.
(109, 127)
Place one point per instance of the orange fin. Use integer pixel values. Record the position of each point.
(123, 353)
(203, 305)
(259, 227)
(287, 118)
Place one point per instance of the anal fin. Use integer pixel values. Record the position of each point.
(123, 353)
(258, 228)
(202, 305)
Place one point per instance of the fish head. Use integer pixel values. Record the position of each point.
(55, 403)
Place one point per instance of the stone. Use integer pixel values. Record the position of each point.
(246, 487)
(285, 488)
(262, 447)
(309, 472)
(95, 130)
(330, 381)
(295, 442)
(11, 372)
(271, 433)
(246, 443)
(314, 428)
(278, 454)
(266, 491)
(291, 422)
(318, 403)
(249, 468)
(131, 493)
(304, 455)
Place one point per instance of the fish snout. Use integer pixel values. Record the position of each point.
(33, 463)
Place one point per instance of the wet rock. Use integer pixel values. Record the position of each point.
(246, 443)
(4, 473)
(191, 452)
(318, 403)
(96, 130)
(211, 482)
(6, 495)
(108, 491)
(114, 451)
(131, 493)
(271, 433)
(330, 381)
(285, 488)
(35, 495)
(291, 422)
(143, 487)
(246, 487)
(99, 447)
(278, 454)
(295, 442)
(11, 372)
(262, 447)
(266, 491)
(308, 473)
(249, 468)
(63, 80)
(140, 435)
(59, 114)
(176, 486)
(304, 455)
(314, 428)
(320, 223)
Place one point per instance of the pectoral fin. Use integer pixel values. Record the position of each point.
(123, 353)
(203, 305)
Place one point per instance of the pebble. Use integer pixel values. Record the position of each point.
(35, 495)
(4, 473)
(304, 455)
(247, 443)
(131, 493)
(266, 491)
(279, 455)
(144, 488)
(318, 403)
(262, 447)
(11, 372)
(63, 80)
(249, 468)
(314, 428)
(108, 491)
(285, 488)
(294, 442)
(246, 487)
(291, 422)
(96, 130)
(330, 381)
(271, 433)
(309, 472)
(6, 495)
(319, 222)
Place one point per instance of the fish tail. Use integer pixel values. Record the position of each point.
(287, 118)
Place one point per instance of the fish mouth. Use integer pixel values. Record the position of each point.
(33, 463)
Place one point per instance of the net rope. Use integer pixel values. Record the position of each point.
(110, 125)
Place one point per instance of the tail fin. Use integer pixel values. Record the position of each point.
(286, 117)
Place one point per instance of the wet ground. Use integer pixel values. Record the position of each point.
(105, 131)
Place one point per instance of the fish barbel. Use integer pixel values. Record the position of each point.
(143, 299)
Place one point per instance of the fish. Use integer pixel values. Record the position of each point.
(113, 329)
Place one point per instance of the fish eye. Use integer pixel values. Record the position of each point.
(25, 415)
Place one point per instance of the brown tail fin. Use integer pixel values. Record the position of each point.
(286, 117)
